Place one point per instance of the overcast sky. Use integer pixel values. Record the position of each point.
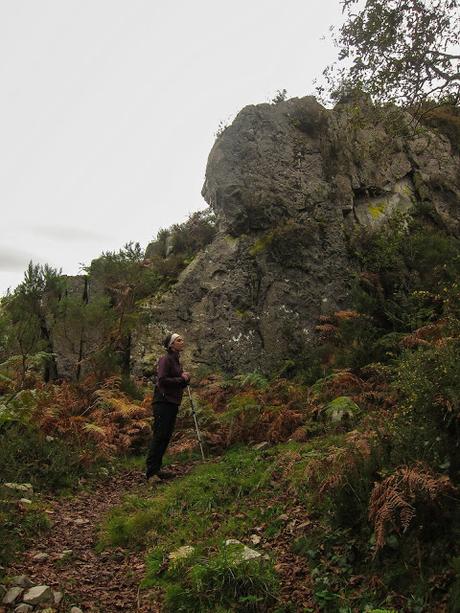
(108, 111)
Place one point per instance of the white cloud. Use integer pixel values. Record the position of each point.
(12, 260)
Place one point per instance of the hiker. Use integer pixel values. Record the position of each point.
(167, 396)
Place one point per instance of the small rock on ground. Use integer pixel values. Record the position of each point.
(22, 581)
(38, 595)
(23, 608)
(12, 595)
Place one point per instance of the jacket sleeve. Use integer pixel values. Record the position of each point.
(162, 374)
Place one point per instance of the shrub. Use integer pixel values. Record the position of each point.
(426, 426)
(27, 456)
(404, 269)
(184, 240)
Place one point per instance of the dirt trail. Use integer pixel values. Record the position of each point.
(98, 582)
(108, 582)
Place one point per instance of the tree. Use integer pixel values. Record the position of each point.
(24, 311)
(402, 51)
(126, 279)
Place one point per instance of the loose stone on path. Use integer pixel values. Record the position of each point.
(12, 595)
(40, 557)
(40, 594)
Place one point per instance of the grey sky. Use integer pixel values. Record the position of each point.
(108, 111)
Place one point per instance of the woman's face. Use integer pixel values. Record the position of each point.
(178, 344)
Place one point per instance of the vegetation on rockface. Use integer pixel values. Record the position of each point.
(174, 248)
(287, 243)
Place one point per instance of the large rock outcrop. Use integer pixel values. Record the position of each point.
(289, 183)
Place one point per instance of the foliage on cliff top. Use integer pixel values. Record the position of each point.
(398, 50)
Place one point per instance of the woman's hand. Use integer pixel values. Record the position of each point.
(185, 376)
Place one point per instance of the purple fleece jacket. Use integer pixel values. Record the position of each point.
(170, 385)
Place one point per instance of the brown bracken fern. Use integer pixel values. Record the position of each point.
(393, 502)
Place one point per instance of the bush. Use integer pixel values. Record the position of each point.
(404, 270)
(27, 456)
(184, 240)
(429, 384)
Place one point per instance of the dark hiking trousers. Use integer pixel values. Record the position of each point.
(164, 414)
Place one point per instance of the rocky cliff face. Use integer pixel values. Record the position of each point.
(289, 184)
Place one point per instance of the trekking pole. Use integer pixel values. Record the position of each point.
(198, 435)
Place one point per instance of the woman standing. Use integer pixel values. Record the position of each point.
(167, 396)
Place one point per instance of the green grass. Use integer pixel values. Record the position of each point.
(226, 498)
(179, 512)
(218, 581)
(216, 500)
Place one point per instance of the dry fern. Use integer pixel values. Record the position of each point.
(92, 411)
(344, 315)
(430, 334)
(393, 501)
(326, 331)
(334, 469)
(98, 432)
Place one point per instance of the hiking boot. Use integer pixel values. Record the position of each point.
(165, 475)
